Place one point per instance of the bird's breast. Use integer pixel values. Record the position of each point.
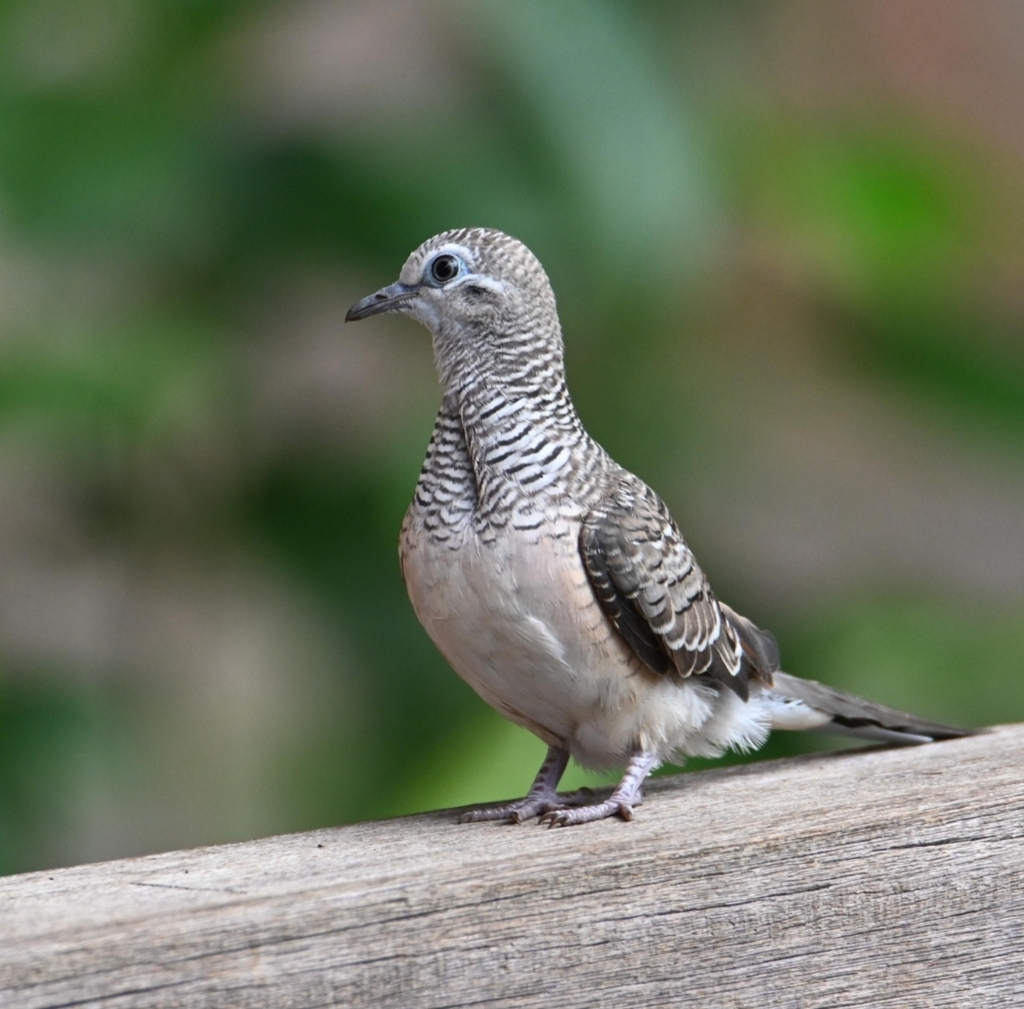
(517, 619)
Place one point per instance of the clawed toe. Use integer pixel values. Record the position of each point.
(512, 812)
(480, 815)
(587, 814)
(528, 812)
(555, 818)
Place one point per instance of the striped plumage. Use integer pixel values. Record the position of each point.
(556, 582)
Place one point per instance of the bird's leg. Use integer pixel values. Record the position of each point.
(542, 797)
(627, 794)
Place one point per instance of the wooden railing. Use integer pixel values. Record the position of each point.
(882, 878)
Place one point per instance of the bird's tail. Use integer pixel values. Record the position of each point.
(804, 704)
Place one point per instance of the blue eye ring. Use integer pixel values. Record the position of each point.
(444, 268)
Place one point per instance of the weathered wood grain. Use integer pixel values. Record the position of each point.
(890, 878)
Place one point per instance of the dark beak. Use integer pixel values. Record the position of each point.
(387, 299)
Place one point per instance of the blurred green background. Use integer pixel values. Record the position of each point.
(788, 244)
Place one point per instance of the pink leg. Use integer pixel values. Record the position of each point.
(627, 794)
(542, 797)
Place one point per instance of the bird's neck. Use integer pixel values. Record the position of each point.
(493, 405)
(520, 432)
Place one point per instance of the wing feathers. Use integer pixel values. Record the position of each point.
(657, 597)
(758, 645)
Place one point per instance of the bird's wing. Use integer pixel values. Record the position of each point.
(659, 600)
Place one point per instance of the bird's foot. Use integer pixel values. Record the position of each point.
(536, 803)
(626, 797)
(587, 814)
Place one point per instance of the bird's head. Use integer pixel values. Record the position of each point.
(484, 297)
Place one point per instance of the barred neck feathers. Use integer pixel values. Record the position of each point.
(523, 450)
(446, 493)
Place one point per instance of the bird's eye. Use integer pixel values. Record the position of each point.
(444, 268)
